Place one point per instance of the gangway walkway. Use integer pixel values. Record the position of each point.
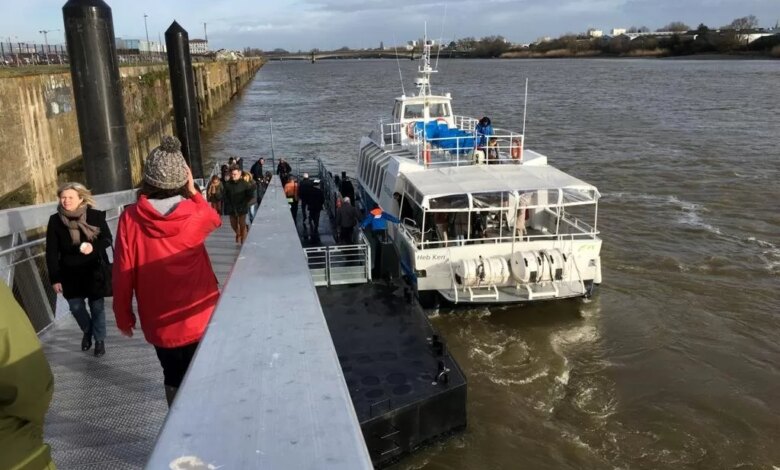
(265, 388)
(107, 412)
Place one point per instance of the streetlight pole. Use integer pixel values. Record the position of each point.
(45, 33)
(147, 35)
(205, 34)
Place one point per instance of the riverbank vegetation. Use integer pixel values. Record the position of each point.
(740, 38)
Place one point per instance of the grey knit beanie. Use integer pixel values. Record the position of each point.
(165, 166)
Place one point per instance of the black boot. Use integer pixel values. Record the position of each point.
(86, 341)
(170, 394)
(100, 348)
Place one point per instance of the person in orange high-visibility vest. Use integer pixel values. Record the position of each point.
(291, 191)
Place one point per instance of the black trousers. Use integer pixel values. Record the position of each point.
(345, 235)
(314, 219)
(294, 211)
(175, 362)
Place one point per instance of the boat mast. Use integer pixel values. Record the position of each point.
(423, 82)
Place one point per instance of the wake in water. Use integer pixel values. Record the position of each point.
(691, 215)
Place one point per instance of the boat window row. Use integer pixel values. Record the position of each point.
(497, 217)
(371, 169)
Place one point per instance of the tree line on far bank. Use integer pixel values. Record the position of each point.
(730, 39)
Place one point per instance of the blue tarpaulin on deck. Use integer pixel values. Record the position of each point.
(439, 134)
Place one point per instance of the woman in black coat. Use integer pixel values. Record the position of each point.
(76, 241)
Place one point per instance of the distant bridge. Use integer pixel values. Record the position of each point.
(322, 55)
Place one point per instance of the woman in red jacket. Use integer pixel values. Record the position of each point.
(160, 257)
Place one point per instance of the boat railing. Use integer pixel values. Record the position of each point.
(503, 146)
(415, 236)
(23, 250)
(452, 279)
(577, 224)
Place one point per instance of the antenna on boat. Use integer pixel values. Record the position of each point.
(525, 106)
(441, 36)
(273, 157)
(400, 75)
(423, 82)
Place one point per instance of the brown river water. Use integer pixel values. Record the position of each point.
(675, 361)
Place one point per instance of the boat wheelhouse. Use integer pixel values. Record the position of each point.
(482, 219)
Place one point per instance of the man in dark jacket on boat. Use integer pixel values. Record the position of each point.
(483, 130)
(347, 217)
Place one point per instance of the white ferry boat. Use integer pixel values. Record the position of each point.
(483, 220)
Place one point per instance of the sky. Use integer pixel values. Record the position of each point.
(330, 24)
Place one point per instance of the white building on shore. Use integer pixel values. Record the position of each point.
(199, 46)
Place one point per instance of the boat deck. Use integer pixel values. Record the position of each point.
(107, 412)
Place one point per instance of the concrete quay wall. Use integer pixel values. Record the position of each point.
(39, 137)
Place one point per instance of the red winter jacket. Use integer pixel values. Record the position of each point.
(162, 259)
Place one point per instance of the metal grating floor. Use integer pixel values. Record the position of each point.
(107, 411)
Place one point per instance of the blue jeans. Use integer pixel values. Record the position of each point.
(96, 324)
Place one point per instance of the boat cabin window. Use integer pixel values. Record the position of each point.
(457, 201)
(573, 196)
(413, 111)
(495, 200)
(437, 110)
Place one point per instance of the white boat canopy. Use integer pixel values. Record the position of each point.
(473, 179)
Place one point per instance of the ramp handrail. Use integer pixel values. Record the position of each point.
(265, 389)
(340, 264)
(23, 246)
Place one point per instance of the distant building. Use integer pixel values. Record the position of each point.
(595, 33)
(617, 31)
(128, 44)
(657, 34)
(199, 46)
(150, 46)
(750, 37)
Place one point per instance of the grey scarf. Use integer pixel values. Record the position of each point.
(76, 221)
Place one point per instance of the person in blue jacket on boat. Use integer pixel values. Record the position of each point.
(377, 218)
(483, 130)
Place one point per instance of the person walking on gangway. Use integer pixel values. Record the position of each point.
(347, 217)
(161, 259)
(316, 200)
(291, 189)
(76, 241)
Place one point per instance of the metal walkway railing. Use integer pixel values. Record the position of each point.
(22, 250)
(265, 389)
(340, 264)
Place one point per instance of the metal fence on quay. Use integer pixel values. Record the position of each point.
(21, 54)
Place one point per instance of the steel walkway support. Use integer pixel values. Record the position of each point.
(265, 389)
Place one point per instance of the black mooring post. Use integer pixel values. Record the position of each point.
(89, 34)
(185, 107)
